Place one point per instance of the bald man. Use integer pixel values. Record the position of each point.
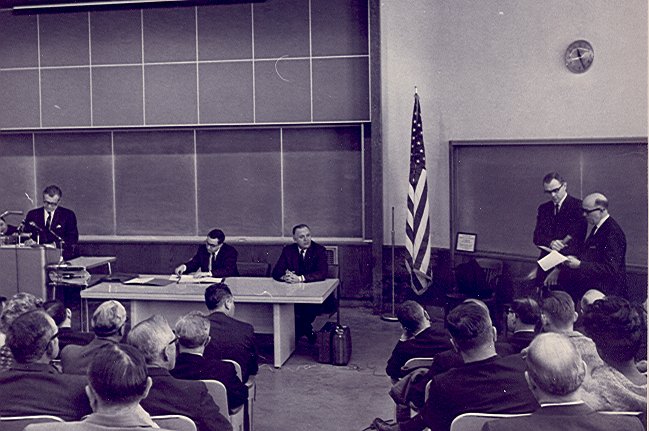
(555, 373)
(601, 262)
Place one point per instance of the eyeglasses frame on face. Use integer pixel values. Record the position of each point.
(554, 191)
(587, 211)
(175, 340)
(54, 337)
(50, 204)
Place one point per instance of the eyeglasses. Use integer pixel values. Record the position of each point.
(51, 204)
(211, 245)
(587, 211)
(174, 341)
(54, 337)
(554, 191)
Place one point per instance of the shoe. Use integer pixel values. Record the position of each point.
(381, 425)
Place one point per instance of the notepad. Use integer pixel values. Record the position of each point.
(148, 281)
(552, 259)
(190, 278)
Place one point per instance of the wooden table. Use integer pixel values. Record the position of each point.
(267, 304)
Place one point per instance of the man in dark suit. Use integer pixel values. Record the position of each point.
(52, 223)
(303, 261)
(485, 382)
(601, 262)
(63, 318)
(168, 395)
(214, 258)
(108, 322)
(230, 338)
(555, 372)
(32, 386)
(560, 225)
(193, 331)
(523, 317)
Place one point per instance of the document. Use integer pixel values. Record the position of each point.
(553, 259)
(193, 278)
(149, 281)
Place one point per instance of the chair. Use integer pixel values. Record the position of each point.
(18, 423)
(219, 394)
(175, 422)
(332, 303)
(474, 279)
(252, 394)
(254, 269)
(414, 363)
(474, 421)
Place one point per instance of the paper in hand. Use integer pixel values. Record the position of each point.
(553, 259)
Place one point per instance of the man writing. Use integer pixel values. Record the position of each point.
(214, 258)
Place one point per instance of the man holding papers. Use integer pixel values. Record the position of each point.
(214, 258)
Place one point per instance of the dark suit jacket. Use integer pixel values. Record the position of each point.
(76, 359)
(426, 344)
(195, 367)
(566, 418)
(516, 342)
(69, 336)
(29, 389)
(64, 224)
(225, 264)
(569, 221)
(170, 395)
(314, 267)
(494, 385)
(232, 339)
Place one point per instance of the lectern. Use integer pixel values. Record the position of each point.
(22, 269)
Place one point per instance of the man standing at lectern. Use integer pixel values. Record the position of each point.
(560, 224)
(52, 223)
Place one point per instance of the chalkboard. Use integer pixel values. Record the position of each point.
(496, 187)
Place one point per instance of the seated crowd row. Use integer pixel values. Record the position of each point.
(117, 380)
(563, 376)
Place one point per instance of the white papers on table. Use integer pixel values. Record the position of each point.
(139, 280)
(552, 259)
(191, 278)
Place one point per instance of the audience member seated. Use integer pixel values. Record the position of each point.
(230, 338)
(558, 315)
(168, 395)
(108, 325)
(63, 318)
(485, 383)
(18, 304)
(589, 297)
(522, 320)
(193, 332)
(555, 372)
(616, 328)
(419, 339)
(32, 386)
(118, 381)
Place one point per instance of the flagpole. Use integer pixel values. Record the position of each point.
(391, 317)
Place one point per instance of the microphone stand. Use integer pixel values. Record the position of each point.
(391, 317)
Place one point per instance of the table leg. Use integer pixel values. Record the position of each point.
(283, 333)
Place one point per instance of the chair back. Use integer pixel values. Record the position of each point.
(475, 421)
(493, 270)
(414, 363)
(237, 367)
(252, 394)
(174, 422)
(219, 394)
(254, 269)
(18, 423)
(333, 271)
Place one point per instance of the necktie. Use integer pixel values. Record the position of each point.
(48, 221)
(303, 253)
(209, 265)
(556, 209)
(592, 232)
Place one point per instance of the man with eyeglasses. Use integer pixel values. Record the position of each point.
(51, 223)
(212, 259)
(560, 225)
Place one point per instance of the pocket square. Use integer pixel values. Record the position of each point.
(58, 226)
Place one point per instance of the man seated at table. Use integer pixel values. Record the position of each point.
(108, 322)
(168, 395)
(118, 381)
(63, 318)
(303, 261)
(213, 259)
(230, 338)
(193, 331)
(32, 386)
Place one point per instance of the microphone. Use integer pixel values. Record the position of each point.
(21, 227)
(566, 240)
(35, 226)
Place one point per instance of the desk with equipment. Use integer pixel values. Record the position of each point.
(263, 302)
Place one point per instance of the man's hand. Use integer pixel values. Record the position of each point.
(557, 245)
(201, 274)
(180, 269)
(29, 242)
(572, 262)
(552, 278)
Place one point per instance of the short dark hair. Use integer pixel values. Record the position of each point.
(559, 307)
(53, 190)
(470, 325)
(527, 310)
(553, 176)
(56, 310)
(29, 335)
(118, 374)
(411, 315)
(300, 226)
(216, 294)
(615, 327)
(217, 234)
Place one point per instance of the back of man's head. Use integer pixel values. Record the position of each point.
(470, 326)
(18, 304)
(118, 375)
(558, 312)
(56, 309)
(554, 365)
(192, 330)
(152, 337)
(527, 310)
(108, 319)
(216, 295)
(29, 336)
(411, 315)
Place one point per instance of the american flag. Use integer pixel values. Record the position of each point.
(417, 222)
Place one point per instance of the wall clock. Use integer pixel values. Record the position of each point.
(579, 56)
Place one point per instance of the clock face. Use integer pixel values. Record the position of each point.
(579, 56)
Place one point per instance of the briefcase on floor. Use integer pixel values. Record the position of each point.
(323, 340)
(341, 343)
